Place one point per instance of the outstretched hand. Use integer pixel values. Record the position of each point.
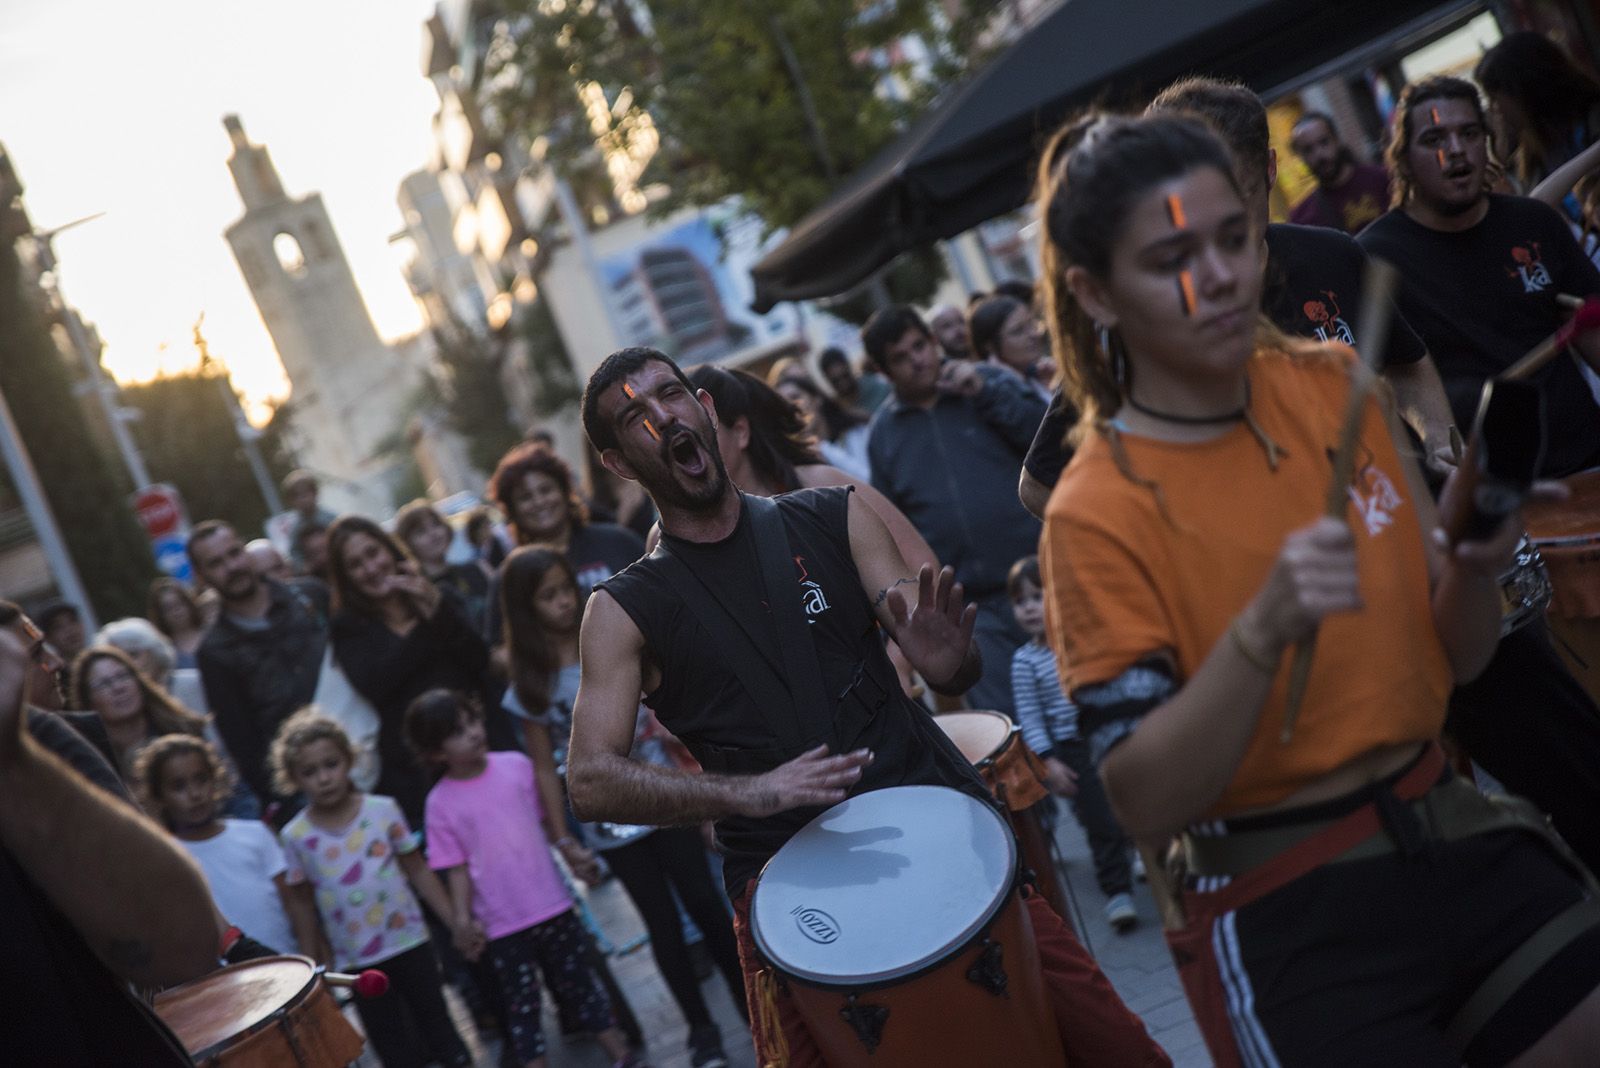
(935, 635)
(812, 778)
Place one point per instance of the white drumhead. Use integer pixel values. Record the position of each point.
(883, 885)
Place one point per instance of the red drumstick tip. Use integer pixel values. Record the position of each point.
(372, 983)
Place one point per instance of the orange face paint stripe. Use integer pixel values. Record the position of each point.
(1175, 211)
(1441, 159)
(1434, 112)
(628, 392)
(1186, 292)
(648, 425)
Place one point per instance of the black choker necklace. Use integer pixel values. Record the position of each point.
(1196, 420)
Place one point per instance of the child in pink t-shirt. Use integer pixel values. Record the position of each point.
(487, 834)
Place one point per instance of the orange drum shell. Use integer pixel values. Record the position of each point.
(940, 1016)
(244, 1016)
(1009, 768)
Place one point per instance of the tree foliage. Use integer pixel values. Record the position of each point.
(88, 492)
(187, 435)
(772, 101)
(473, 398)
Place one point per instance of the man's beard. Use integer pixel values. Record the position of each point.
(1345, 157)
(240, 587)
(663, 484)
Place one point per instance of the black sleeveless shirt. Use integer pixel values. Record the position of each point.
(701, 700)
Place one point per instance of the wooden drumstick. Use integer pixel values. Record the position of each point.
(1377, 303)
(1585, 319)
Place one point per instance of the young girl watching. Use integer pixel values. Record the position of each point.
(183, 782)
(354, 875)
(490, 836)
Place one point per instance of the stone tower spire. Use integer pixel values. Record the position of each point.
(348, 389)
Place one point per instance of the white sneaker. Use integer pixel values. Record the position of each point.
(1120, 913)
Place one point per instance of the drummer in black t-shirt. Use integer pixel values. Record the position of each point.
(693, 627)
(1313, 288)
(1480, 271)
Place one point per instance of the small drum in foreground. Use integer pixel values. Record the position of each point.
(1014, 775)
(275, 1012)
(1567, 535)
(895, 924)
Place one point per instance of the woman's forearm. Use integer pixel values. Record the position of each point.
(1466, 614)
(1204, 730)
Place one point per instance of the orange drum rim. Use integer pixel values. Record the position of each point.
(985, 720)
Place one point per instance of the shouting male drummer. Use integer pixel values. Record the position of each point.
(789, 701)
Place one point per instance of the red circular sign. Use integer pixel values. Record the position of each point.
(160, 510)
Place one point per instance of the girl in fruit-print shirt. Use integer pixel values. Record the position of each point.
(353, 863)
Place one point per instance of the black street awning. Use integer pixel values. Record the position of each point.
(970, 157)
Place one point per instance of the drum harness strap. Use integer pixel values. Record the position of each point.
(786, 701)
(1402, 818)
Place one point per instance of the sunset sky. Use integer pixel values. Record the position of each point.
(117, 107)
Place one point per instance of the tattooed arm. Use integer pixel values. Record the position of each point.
(924, 614)
(127, 888)
(604, 783)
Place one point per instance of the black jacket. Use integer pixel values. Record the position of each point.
(256, 679)
(391, 671)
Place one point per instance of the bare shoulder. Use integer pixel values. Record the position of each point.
(812, 476)
(610, 643)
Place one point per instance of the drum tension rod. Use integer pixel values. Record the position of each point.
(866, 1020)
(989, 971)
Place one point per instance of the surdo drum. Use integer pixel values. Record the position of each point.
(895, 924)
(275, 1012)
(1014, 775)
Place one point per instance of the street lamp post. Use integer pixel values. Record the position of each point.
(246, 433)
(37, 506)
(105, 392)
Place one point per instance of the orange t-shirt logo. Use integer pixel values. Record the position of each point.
(1375, 498)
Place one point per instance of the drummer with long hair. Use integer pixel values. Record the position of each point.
(1347, 901)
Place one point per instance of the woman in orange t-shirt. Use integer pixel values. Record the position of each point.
(1183, 555)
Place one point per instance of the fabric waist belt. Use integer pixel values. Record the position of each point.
(1413, 810)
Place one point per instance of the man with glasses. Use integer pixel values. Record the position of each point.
(45, 665)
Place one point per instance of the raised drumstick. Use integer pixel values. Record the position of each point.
(1377, 303)
(1585, 320)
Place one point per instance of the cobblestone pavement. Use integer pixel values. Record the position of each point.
(1137, 964)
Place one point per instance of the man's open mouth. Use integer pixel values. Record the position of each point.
(684, 450)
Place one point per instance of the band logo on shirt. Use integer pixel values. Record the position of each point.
(812, 599)
(1327, 320)
(1375, 498)
(1529, 267)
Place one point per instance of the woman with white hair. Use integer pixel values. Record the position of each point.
(155, 657)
